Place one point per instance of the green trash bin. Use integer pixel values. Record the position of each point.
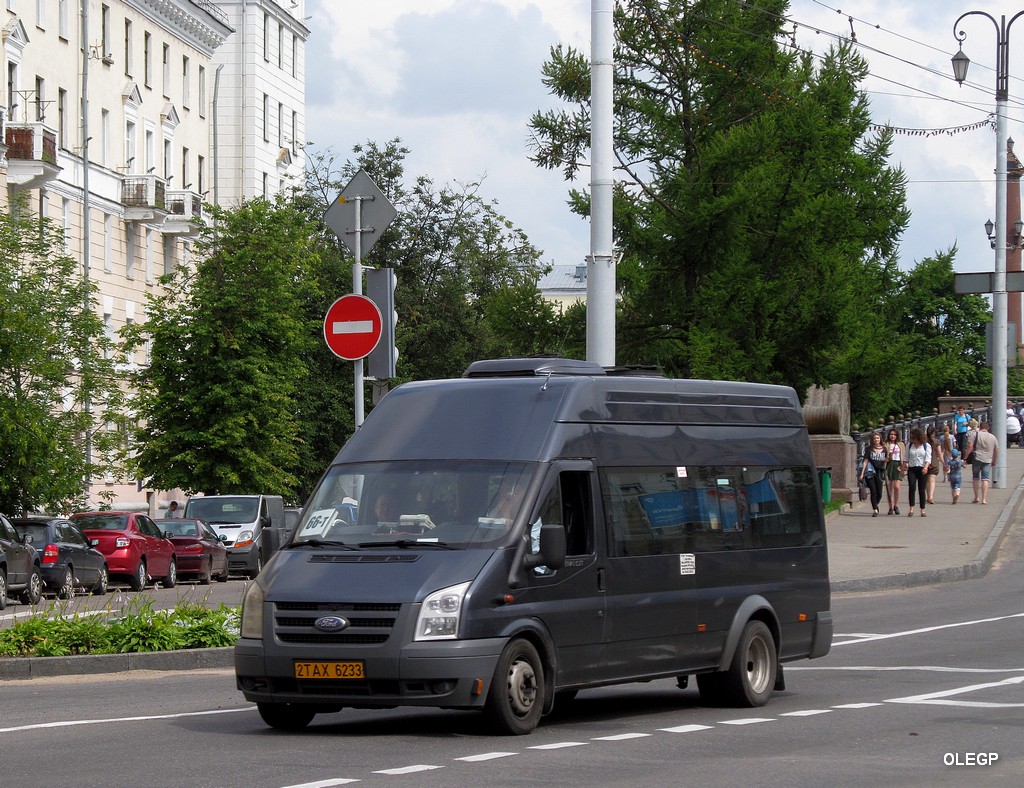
(825, 480)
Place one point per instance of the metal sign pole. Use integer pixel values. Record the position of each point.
(357, 288)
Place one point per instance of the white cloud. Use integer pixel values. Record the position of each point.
(457, 80)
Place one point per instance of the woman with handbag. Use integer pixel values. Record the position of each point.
(872, 468)
(895, 468)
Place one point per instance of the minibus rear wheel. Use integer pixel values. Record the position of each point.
(286, 716)
(750, 679)
(515, 699)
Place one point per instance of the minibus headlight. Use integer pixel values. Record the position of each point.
(439, 614)
(252, 612)
(244, 539)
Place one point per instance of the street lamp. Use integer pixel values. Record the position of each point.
(999, 301)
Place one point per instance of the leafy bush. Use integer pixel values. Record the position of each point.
(139, 628)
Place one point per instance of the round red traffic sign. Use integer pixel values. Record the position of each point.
(352, 327)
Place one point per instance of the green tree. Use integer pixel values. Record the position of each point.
(217, 400)
(467, 286)
(58, 386)
(757, 213)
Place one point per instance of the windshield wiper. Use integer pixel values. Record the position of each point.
(318, 543)
(406, 544)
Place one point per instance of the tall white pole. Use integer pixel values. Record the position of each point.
(997, 417)
(601, 262)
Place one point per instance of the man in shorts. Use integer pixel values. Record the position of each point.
(986, 451)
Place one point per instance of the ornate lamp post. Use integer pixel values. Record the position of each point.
(999, 301)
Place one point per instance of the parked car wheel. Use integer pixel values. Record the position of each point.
(34, 590)
(3, 589)
(172, 575)
(205, 577)
(101, 584)
(66, 589)
(224, 577)
(138, 580)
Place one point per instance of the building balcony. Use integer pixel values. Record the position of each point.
(184, 213)
(31, 154)
(144, 198)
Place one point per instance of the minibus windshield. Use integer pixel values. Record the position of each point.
(458, 504)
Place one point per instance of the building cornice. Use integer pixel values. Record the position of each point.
(204, 28)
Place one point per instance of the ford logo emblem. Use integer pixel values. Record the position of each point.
(331, 624)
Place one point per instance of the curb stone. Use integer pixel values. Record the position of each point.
(23, 668)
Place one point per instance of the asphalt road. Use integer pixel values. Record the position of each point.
(923, 687)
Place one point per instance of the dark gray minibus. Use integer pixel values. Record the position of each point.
(538, 527)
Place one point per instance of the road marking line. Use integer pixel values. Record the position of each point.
(71, 723)
(870, 638)
(856, 705)
(323, 783)
(621, 737)
(746, 721)
(936, 697)
(558, 745)
(409, 769)
(486, 756)
(926, 668)
(805, 713)
(686, 728)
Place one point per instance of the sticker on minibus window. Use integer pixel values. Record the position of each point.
(687, 564)
(319, 523)
(680, 471)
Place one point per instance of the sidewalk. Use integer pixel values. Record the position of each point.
(952, 543)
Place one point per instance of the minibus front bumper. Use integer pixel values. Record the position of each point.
(449, 673)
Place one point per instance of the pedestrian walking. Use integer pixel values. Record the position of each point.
(936, 463)
(984, 450)
(1013, 431)
(895, 468)
(872, 470)
(961, 420)
(919, 458)
(954, 472)
(948, 442)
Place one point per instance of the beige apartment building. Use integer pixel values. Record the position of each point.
(109, 112)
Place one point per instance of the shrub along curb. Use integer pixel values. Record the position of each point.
(15, 668)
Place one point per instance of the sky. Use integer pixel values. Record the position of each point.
(457, 81)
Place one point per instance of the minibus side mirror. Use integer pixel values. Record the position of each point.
(552, 547)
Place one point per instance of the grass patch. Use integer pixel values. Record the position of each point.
(57, 632)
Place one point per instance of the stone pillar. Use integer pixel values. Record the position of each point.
(827, 414)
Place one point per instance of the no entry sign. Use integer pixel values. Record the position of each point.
(352, 327)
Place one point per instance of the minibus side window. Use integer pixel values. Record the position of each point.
(568, 504)
(684, 509)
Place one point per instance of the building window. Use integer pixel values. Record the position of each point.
(129, 252)
(62, 118)
(129, 146)
(280, 125)
(65, 222)
(150, 152)
(147, 59)
(266, 185)
(295, 132)
(266, 37)
(295, 55)
(186, 73)
(280, 45)
(202, 91)
(105, 137)
(168, 154)
(201, 174)
(186, 181)
(167, 70)
(128, 47)
(40, 99)
(108, 232)
(106, 51)
(149, 256)
(41, 14)
(63, 19)
(266, 114)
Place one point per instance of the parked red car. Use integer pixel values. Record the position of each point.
(133, 546)
(198, 549)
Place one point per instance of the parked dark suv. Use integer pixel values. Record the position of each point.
(19, 567)
(66, 558)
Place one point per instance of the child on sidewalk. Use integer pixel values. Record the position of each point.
(954, 472)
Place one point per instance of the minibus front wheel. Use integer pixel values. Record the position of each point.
(515, 700)
(286, 716)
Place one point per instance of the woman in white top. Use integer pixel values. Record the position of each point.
(919, 459)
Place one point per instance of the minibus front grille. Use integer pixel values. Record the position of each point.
(295, 622)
